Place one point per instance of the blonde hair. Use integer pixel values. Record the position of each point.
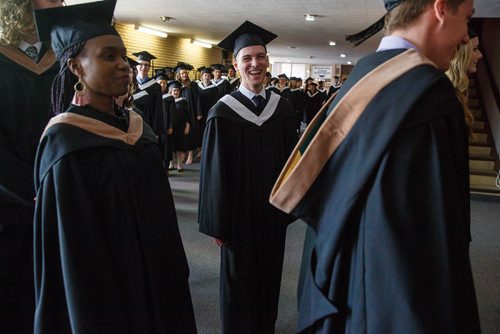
(16, 21)
(458, 77)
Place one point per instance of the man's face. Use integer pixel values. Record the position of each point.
(205, 77)
(231, 73)
(252, 62)
(176, 92)
(451, 32)
(282, 81)
(217, 74)
(143, 68)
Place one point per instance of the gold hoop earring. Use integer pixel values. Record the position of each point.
(79, 88)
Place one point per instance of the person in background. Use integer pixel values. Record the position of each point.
(313, 102)
(282, 86)
(108, 253)
(181, 123)
(168, 112)
(248, 137)
(148, 98)
(222, 84)
(462, 66)
(189, 92)
(208, 95)
(383, 180)
(335, 86)
(234, 81)
(27, 68)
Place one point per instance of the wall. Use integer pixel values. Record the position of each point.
(168, 50)
(490, 42)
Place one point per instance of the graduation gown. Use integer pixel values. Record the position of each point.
(24, 113)
(223, 87)
(165, 140)
(179, 120)
(108, 253)
(148, 98)
(390, 209)
(208, 96)
(190, 94)
(242, 156)
(234, 83)
(312, 104)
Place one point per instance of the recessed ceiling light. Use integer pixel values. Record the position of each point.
(294, 47)
(349, 63)
(310, 17)
(288, 61)
(342, 55)
(332, 43)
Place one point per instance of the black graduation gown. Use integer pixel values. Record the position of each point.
(223, 87)
(166, 140)
(312, 104)
(24, 113)
(208, 96)
(297, 100)
(391, 213)
(240, 163)
(151, 105)
(234, 84)
(190, 94)
(179, 120)
(108, 253)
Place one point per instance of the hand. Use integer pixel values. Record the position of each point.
(169, 131)
(199, 117)
(219, 242)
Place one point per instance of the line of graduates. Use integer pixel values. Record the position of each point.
(166, 113)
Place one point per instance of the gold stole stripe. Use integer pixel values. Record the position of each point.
(13, 53)
(100, 128)
(296, 178)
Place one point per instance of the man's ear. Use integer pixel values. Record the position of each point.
(235, 64)
(439, 10)
(74, 67)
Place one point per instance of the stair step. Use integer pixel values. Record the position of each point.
(478, 125)
(473, 103)
(477, 113)
(479, 180)
(479, 150)
(481, 138)
(482, 164)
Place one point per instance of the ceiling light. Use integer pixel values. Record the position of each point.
(151, 31)
(202, 44)
(332, 43)
(288, 61)
(349, 63)
(165, 18)
(342, 55)
(310, 17)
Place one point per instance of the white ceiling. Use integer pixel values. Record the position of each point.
(212, 20)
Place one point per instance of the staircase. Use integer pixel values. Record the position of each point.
(483, 158)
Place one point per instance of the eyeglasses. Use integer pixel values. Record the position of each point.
(144, 65)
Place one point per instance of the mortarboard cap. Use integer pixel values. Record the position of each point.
(204, 69)
(309, 79)
(174, 84)
(268, 74)
(183, 66)
(231, 67)
(282, 75)
(362, 36)
(70, 25)
(132, 63)
(169, 69)
(471, 32)
(144, 55)
(218, 67)
(247, 34)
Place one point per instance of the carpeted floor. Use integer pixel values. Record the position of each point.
(204, 257)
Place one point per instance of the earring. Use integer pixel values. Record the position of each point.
(79, 88)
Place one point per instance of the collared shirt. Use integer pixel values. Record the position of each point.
(394, 42)
(143, 80)
(250, 94)
(23, 46)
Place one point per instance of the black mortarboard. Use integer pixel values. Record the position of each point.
(70, 25)
(159, 72)
(169, 69)
(268, 74)
(183, 66)
(245, 35)
(174, 84)
(282, 75)
(144, 55)
(309, 79)
(293, 78)
(471, 32)
(231, 67)
(161, 77)
(218, 67)
(204, 69)
(132, 63)
(362, 36)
